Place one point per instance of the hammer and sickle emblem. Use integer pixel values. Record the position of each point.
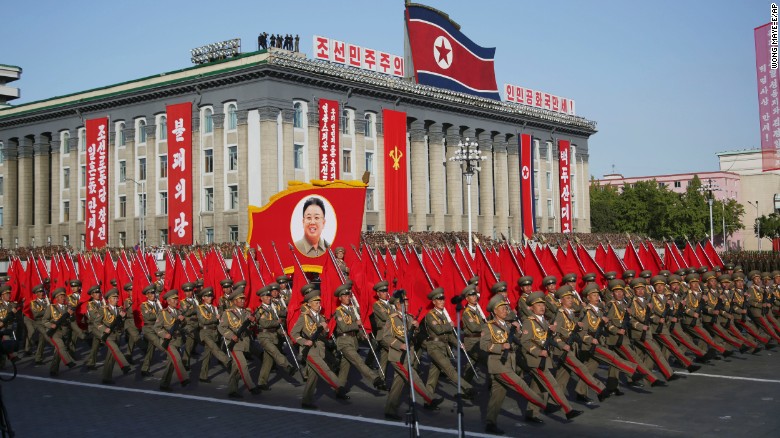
(396, 155)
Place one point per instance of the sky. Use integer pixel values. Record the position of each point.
(670, 83)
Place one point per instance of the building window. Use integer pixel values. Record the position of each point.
(208, 121)
(209, 201)
(122, 239)
(574, 208)
(142, 204)
(346, 116)
(163, 160)
(122, 171)
(370, 162)
(233, 197)
(549, 180)
(123, 206)
(538, 206)
(164, 236)
(370, 228)
(83, 176)
(209, 235)
(233, 233)
(550, 212)
(298, 156)
(549, 151)
(232, 117)
(120, 133)
(2, 152)
(346, 161)
(65, 240)
(1, 218)
(233, 157)
(162, 128)
(2, 186)
(208, 161)
(369, 125)
(142, 169)
(677, 184)
(370, 199)
(298, 115)
(661, 185)
(65, 147)
(82, 140)
(141, 130)
(163, 202)
(66, 178)
(82, 209)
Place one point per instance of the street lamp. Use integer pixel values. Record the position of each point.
(141, 214)
(469, 156)
(758, 224)
(709, 188)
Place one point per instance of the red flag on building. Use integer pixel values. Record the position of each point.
(527, 204)
(180, 184)
(395, 159)
(96, 218)
(329, 116)
(564, 197)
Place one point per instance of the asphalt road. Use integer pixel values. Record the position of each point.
(733, 397)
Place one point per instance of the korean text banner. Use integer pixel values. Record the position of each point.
(97, 183)
(768, 99)
(180, 173)
(308, 219)
(396, 197)
(329, 139)
(564, 172)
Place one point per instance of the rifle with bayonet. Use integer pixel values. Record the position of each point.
(242, 330)
(548, 342)
(574, 336)
(411, 335)
(64, 319)
(116, 325)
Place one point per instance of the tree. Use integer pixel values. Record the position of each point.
(603, 204)
(770, 226)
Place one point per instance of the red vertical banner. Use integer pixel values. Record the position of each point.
(97, 183)
(768, 101)
(180, 173)
(396, 205)
(564, 166)
(329, 139)
(528, 216)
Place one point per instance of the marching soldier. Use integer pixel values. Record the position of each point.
(440, 339)
(227, 290)
(714, 309)
(551, 304)
(378, 318)
(662, 306)
(310, 331)
(571, 281)
(641, 315)
(38, 308)
(94, 317)
(499, 288)
(285, 290)
(208, 320)
(758, 308)
(74, 301)
(499, 342)
(526, 284)
(471, 327)
(270, 324)
(729, 310)
(347, 332)
(169, 327)
(739, 307)
(10, 312)
(692, 321)
(110, 336)
(133, 336)
(234, 327)
(58, 329)
(394, 335)
(189, 308)
(150, 311)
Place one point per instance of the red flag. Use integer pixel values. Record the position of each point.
(395, 158)
(238, 266)
(631, 258)
(613, 262)
(690, 256)
(534, 268)
(528, 215)
(679, 257)
(647, 259)
(487, 275)
(702, 256)
(670, 261)
(654, 253)
(712, 254)
(464, 261)
(546, 257)
(590, 265)
(417, 285)
(510, 272)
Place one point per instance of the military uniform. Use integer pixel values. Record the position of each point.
(113, 355)
(74, 302)
(641, 316)
(346, 333)
(52, 321)
(38, 309)
(208, 320)
(9, 314)
(472, 322)
(523, 311)
(269, 326)
(94, 317)
(166, 328)
(133, 335)
(231, 322)
(189, 308)
(150, 311)
(440, 338)
(756, 308)
(693, 325)
(661, 307)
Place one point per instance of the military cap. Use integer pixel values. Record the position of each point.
(753, 274)
(112, 293)
(590, 289)
(239, 283)
(682, 272)
(46, 280)
(58, 291)
(306, 289)
(548, 280)
(226, 283)
(206, 292)
(716, 268)
(339, 249)
(474, 279)
(344, 289)
(638, 282)
(38, 288)
(264, 291)
(724, 278)
(159, 274)
(766, 275)
(729, 266)
(646, 274)
(610, 275)
(273, 286)
(534, 297)
(282, 279)
(708, 275)
(525, 281)
(128, 286)
(94, 289)
(616, 284)
(495, 303)
(5, 288)
(563, 291)
(436, 294)
(173, 293)
(313, 295)
(381, 286)
(692, 277)
(738, 276)
(665, 273)
(112, 282)
(149, 289)
(701, 270)
(188, 286)
(692, 270)
(674, 278)
(238, 293)
(629, 273)
(199, 282)
(393, 299)
(469, 290)
(568, 278)
(590, 276)
(775, 273)
(658, 279)
(738, 268)
(75, 283)
(498, 287)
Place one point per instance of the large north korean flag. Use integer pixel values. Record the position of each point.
(443, 57)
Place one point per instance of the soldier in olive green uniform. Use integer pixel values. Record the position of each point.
(642, 316)
(576, 304)
(10, 312)
(189, 308)
(52, 321)
(269, 324)
(692, 319)
(551, 304)
(74, 301)
(133, 335)
(440, 339)
(285, 290)
(169, 327)
(662, 307)
(150, 311)
(378, 318)
(499, 289)
(94, 316)
(526, 284)
(38, 308)
(208, 320)
(394, 337)
(502, 365)
(233, 326)
(227, 290)
(347, 332)
(471, 326)
(741, 308)
(108, 326)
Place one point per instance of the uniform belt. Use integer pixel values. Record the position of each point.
(436, 339)
(472, 335)
(269, 330)
(351, 334)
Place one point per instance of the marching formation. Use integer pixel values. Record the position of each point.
(637, 328)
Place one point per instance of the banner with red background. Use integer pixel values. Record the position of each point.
(180, 219)
(768, 101)
(97, 183)
(329, 139)
(564, 166)
(527, 186)
(396, 203)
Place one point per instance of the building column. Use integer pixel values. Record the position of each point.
(26, 191)
(220, 231)
(55, 199)
(487, 212)
(419, 166)
(513, 172)
(380, 149)
(436, 163)
(242, 131)
(42, 171)
(454, 216)
(500, 184)
(11, 193)
(286, 141)
(130, 191)
(269, 166)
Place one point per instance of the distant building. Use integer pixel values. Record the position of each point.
(8, 73)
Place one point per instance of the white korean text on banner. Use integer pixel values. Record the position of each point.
(180, 220)
(97, 183)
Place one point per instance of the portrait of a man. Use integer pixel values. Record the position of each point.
(312, 244)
